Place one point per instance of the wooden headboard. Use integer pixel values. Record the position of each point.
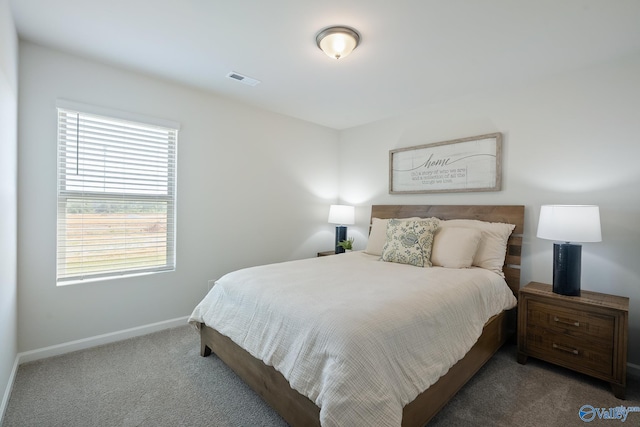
(510, 214)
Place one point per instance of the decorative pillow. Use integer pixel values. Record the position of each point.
(493, 245)
(455, 247)
(410, 242)
(378, 235)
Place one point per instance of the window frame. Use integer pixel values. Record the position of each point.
(65, 195)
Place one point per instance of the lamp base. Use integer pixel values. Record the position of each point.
(341, 234)
(567, 260)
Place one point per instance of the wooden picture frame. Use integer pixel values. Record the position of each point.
(460, 165)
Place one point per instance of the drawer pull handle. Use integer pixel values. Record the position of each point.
(566, 323)
(567, 349)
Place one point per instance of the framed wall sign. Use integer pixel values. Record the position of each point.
(466, 164)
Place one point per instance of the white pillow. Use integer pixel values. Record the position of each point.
(455, 247)
(378, 235)
(492, 249)
(410, 242)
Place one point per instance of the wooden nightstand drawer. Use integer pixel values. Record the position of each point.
(562, 320)
(594, 355)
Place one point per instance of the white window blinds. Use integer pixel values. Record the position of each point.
(116, 197)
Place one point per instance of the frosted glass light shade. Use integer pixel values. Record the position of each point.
(337, 42)
(341, 214)
(570, 223)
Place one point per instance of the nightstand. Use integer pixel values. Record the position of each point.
(327, 253)
(586, 333)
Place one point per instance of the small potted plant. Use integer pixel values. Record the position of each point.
(347, 245)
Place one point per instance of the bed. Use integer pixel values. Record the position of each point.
(430, 394)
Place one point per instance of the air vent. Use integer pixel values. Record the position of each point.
(243, 79)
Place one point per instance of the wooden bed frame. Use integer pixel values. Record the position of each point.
(298, 410)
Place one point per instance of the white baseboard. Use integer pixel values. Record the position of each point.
(56, 350)
(7, 391)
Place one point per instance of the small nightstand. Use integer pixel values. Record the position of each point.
(327, 253)
(586, 333)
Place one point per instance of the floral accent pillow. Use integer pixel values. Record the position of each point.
(378, 234)
(410, 242)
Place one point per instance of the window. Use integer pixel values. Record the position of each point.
(116, 194)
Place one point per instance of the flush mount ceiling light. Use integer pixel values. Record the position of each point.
(337, 42)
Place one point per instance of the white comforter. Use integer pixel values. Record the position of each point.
(360, 337)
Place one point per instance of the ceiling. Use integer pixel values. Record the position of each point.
(412, 53)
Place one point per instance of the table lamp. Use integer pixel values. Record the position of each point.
(568, 224)
(341, 214)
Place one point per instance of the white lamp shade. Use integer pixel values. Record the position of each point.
(341, 214)
(570, 223)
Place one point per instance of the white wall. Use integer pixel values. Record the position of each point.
(573, 139)
(253, 187)
(8, 199)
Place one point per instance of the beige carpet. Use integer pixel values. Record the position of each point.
(160, 380)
